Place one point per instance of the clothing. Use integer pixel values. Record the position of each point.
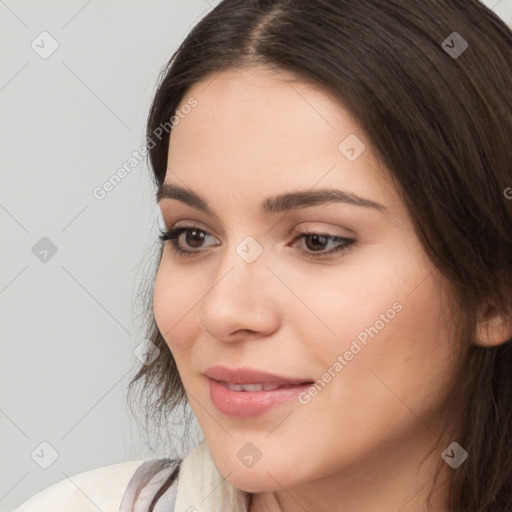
(130, 487)
(98, 489)
(145, 484)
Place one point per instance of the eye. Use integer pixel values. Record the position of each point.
(316, 243)
(195, 240)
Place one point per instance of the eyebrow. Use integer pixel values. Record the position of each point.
(275, 204)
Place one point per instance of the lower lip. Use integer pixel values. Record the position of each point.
(243, 404)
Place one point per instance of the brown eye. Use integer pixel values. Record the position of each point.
(195, 237)
(317, 243)
(193, 240)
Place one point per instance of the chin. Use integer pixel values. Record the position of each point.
(249, 481)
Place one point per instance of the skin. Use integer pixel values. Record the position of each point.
(358, 444)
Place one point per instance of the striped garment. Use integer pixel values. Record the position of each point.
(146, 483)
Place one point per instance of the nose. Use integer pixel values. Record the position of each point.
(242, 301)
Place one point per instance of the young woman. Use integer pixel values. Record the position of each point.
(334, 290)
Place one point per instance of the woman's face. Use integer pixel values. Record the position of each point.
(366, 323)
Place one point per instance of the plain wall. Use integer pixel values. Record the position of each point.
(68, 329)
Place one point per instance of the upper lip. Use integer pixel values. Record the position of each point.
(246, 375)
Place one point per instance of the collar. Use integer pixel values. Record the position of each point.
(201, 487)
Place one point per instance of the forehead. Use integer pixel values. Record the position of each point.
(266, 102)
(257, 128)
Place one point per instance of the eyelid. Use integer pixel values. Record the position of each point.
(331, 230)
(186, 222)
(173, 216)
(310, 227)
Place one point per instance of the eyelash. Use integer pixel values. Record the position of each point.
(173, 234)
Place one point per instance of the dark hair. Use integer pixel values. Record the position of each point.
(441, 123)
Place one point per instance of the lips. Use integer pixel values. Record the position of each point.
(247, 404)
(246, 392)
(246, 376)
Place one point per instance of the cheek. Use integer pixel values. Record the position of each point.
(162, 307)
(394, 367)
(387, 337)
(173, 300)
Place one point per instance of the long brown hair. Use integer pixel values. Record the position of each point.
(441, 122)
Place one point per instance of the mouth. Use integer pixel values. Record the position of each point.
(248, 400)
(247, 392)
(250, 377)
(271, 386)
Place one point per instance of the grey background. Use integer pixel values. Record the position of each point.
(68, 327)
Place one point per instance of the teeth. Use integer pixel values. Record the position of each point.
(252, 387)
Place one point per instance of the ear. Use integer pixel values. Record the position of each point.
(493, 329)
